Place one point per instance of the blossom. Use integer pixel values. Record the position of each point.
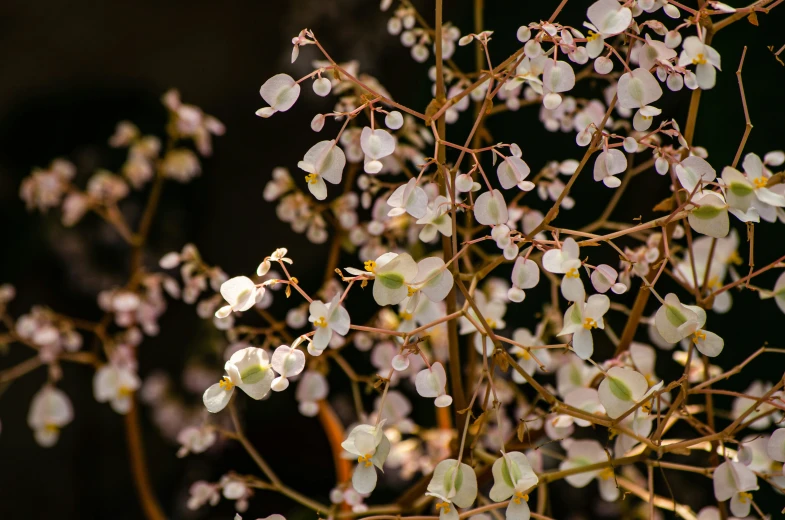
(288, 362)
(710, 215)
(778, 292)
(607, 165)
(280, 92)
(436, 220)
(247, 369)
(323, 162)
(557, 76)
(513, 477)
(376, 144)
(195, 440)
(513, 171)
(408, 198)
(579, 320)
(454, 484)
(621, 389)
(582, 453)
(116, 383)
(393, 273)
(311, 389)
(696, 52)
(676, 321)
(566, 261)
(431, 382)
(371, 447)
(603, 278)
(734, 481)
(525, 275)
(653, 53)
(240, 293)
(694, 170)
(50, 410)
(328, 318)
(638, 89)
(748, 196)
(776, 445)
(490, 208)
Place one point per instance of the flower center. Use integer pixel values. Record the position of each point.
(491, 322)
(445, 505)
(760, 182)
(520, 496)
(321, 322)
(592, 36)
(700, 59)
(744, 497)
(124, 391)
(697, 336)
(226, 383)
(405, 316)
(606, 474)
(312, 178)
(572, 273)
(51, 428)
(734, 258)
(365, 458)
(411, 290)
(523, 353)
(370, 266)
(589, 323)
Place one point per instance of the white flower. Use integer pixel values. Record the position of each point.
(583, 453)
(621, 389)
(693, 170)
(653, 53)
(604, 278)
(116, 384)
(579, 320)
(607, 165)
(436, 220)
(761, 417)
(247, 369)
(513, 171)
(675, 322)
(525, 275)
(748, 197)
(240, 293)
(513, 477)
(328, 318)
(288, 362)
(50, 410)
(734, 481)
(280, 92)
(710, 215)
(566, 261)
(376, 144)
(608, 17)
(431, 382)
(408, 198)
(311, 389)
(490, 209)
(371, 447)
(393, 275)
(778, 292)
(776, 445)
(706, 59)
(195, 440)
(557, 76)
(323, 162)
(454, 484)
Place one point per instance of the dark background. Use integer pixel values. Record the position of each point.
(71, 70)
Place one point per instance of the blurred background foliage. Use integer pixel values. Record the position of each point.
(71, 70)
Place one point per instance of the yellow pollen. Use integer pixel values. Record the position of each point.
(612, 433)
(520, 496)
(226, 383)
(365, 458)
(445, 505)
(735, 259)
(406, 316)
(52, 428)
(491, 322)
(523, 353)
(646, 408)
(760, 182)
(589, 323)
(744, 497)
(320, 322)
(312, 178)
(592, 36)
(370, 266)
(714, 283)
(572, 273)
(700, 59)
(606, 474)
(124, 391)
(697, 336)
(411, 290)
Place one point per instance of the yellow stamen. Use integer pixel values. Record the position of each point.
(405, 316)
(523, 353)
(411, 290)
(491, 322)
(760, 182)
(226, 383)
(370, 266)
(572, 273)
(734, 258)
(697, 336)
(445, 505)
(589, 323)
(365, 458)
(612, 433)
(520, 496)
(700, 59)
(744, 497)
(606, 474)
(312, 178)
(714, 283)
(592, 36)
(321, 322)
(52, 428)
(124, 391)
